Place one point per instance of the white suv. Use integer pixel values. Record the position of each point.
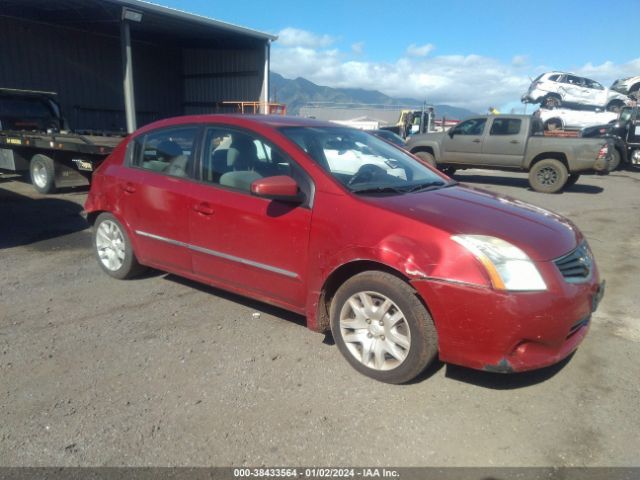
(553, 89)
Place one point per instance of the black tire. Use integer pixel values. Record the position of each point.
(427, 158)
(572, 180)
(553, 124)
(449, 171)
(548, 176)
(614, 164)
(551, 102)
(42, 173)
(421, 341)
(615, 106)
(129, 266)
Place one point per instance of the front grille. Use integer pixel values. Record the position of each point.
(576, 266)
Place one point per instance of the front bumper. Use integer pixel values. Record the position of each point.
(485, 329)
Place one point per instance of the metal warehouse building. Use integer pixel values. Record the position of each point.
(118, 64)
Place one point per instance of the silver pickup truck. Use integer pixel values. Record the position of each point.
(514, 142)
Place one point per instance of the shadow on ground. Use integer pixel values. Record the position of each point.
(26, 221)
(504, 381)
(247, 302)
(520, 183)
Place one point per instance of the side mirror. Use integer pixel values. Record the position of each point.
(451, 133)
(281, 187)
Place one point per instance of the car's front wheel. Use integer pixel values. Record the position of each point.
(548, 176)
(113, 248)
(381, 327)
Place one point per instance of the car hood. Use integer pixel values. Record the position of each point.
(542, 234)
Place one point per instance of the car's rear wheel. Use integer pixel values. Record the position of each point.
(551, 102)
(113, 248)
(42, 171)
(426, 157)
(548, 176)
(381, 327)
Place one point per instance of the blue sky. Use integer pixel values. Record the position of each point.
(465, 53)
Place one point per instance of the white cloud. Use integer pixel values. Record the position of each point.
(293, 37)
(519, 60)
(414, 50)
(357, 48)
(469, 81)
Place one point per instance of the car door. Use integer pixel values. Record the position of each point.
(505, 143)
(463, 143)
(570, 89)
(251, 244)
(156, 191)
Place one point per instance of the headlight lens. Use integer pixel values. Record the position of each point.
(508, 267)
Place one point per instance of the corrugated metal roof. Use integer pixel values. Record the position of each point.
(191, 17)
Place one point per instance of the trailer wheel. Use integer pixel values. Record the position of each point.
(42, 174)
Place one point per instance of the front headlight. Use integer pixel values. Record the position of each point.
(508, 267)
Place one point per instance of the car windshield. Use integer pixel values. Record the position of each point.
(362, 162)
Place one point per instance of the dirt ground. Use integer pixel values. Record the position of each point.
(163, 371)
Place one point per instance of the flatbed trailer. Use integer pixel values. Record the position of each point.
(55, 160)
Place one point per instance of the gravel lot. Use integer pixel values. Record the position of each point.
(163, 371)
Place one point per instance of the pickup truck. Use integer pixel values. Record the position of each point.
(514, 142)
(625, 132)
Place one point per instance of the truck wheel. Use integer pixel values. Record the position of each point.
(615, 160)
(427, 158)
(381, 327)
(551, 102)
(572, 180)
(548, 176)
(43, 177)
(113, 248)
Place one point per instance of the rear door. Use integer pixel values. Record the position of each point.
(156, 188)
(463, 144)
(505, 143)
(253, 245)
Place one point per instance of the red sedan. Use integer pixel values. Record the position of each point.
(401, 263)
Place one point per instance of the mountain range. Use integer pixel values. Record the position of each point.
(300, 91)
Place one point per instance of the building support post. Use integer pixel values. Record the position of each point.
(127, 82)
(264, 96)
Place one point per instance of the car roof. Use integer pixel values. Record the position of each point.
(274, 121)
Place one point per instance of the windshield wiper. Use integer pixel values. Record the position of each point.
(379, 189)
(421, 187)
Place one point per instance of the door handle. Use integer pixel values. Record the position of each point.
(514, 141)
(477, 140)
(203, 209)
(128, 187)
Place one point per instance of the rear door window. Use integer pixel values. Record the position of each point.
(167, 151)
(505, 126)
